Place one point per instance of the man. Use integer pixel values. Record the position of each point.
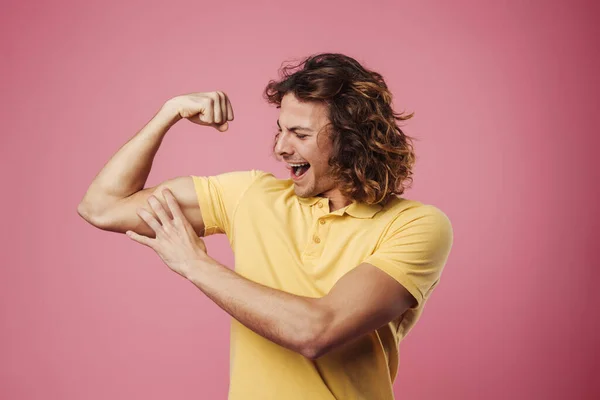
(332, 266)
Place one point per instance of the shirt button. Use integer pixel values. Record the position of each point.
(317, 240)
(322, 222)
(320, 205)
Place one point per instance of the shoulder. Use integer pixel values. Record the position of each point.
(266, 182)
(232, 178)
(399, 207)
(404, 214)
(247, 184)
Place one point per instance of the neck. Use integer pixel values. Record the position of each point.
(336, 200)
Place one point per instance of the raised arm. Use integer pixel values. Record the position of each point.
(113, 197)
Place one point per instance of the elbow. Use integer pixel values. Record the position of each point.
(315, 341)
(88, 213)
(313, 351)
(84, 211)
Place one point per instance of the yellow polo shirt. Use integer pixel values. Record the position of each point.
(298, 246)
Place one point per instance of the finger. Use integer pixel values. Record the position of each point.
(146, 241)
(223, 127)
(207, 113)
(150, 220)
(174, 206)
(223, 104)
(229, 109)
(159, 210)
(217, 109)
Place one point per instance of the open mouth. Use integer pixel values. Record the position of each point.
(298, 170)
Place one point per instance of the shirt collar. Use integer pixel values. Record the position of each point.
(363, 210)
(308, 201)
(355, 209)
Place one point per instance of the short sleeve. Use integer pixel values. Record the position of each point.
(218, 198)
(414, 249)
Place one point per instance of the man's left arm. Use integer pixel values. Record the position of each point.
(363, 300)
(394, 278)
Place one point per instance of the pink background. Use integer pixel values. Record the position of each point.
(506, 99)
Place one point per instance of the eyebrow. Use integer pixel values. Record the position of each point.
(296, 128)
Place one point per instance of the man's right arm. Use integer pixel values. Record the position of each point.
(120, 215)
(112, 200)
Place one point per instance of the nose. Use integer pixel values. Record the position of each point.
(283, 145)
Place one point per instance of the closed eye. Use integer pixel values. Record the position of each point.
(298, 135)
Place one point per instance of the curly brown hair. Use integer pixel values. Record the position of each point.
(372, 158)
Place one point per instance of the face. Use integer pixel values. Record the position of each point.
(303, 139)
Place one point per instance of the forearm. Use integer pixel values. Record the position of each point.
(291, 321)
(127, 170)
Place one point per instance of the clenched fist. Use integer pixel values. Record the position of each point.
(209, 109)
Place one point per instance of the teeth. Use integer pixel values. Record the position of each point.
(297, 165)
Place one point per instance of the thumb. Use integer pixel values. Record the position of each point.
(146, 241)
(222, 127)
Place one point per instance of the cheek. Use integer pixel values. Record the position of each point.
(317, 164)
(322, 161)
(320, 168)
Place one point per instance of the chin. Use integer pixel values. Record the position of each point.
(299, 192)
(303, 191)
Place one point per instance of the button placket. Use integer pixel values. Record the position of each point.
(319, 229)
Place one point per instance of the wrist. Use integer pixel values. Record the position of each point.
(169, 113)
(199, 268)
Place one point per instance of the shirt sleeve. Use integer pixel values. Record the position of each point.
(218, 198)
(414, 249)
